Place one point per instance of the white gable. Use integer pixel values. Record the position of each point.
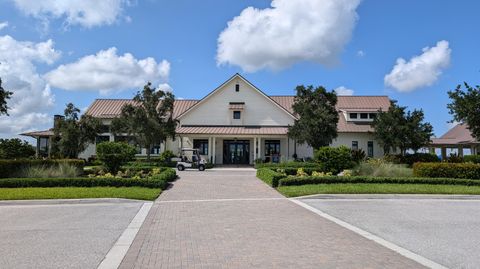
(258, 109)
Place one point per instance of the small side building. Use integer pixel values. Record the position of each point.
(458, 138)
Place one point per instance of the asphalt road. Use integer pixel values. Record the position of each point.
(61, 234)
(445, 231)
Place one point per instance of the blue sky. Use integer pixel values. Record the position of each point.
(276, 48)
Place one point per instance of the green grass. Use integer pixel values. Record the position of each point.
(294, 191)
(79, 192)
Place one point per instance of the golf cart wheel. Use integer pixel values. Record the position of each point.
(201, 167)
(180, 167)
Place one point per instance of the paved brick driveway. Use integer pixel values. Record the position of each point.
(228, 219)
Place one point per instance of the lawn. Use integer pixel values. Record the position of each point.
(138, 193)
(294, 191)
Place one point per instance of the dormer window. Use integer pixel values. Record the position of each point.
(237, 87)
(353, 116)
(372, 115)
(237, 115)
(363, 116)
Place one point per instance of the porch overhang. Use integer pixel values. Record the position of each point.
(232, 130)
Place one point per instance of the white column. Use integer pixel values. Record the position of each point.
(254, 149)
(209, 149)
(260, 148)
(213, 150)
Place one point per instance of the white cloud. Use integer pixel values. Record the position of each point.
(32, 98)
(165, 87)
(420, 71)
(106, 72)
(288, 32)
(343, 91)
(87, 13)
(3, 25)
(361, 53)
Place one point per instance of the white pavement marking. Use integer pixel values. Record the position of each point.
(218, 200)
(116, 254)
(404, 252)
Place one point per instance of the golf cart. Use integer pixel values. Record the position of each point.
(190, 158)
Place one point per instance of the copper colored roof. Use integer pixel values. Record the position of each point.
(457, 135)
(39, 133)
(227, 130)
(111, 108)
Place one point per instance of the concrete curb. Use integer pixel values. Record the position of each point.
(114, 257)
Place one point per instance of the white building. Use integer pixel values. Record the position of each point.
(237, 123)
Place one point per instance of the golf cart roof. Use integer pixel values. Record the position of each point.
(189, 149)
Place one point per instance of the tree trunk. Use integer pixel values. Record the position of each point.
(149, 149)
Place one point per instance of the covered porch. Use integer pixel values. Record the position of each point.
(43, 142)
(457, 140)
(239, 145)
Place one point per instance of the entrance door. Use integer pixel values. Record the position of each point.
(236, 152)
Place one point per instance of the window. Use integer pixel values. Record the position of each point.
(355, 145)
(43, 147)
(363, 115)
(201, 145)
(272, 147)
(353, 116)
(372, 115)
(155, 149)
(237, 87)
(236, 115)
(370, 149)
(102, 138)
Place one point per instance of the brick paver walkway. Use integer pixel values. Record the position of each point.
(226, 219)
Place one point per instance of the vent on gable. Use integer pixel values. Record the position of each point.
(237, 87)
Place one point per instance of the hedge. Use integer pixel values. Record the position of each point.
(447, 170)
(472, 158)
(410, 159)
(157, 181)
(269, 176)
(297, 181)
(287, 164)
(9, 168)
(166, 174)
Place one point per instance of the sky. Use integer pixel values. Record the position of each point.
(56, 52)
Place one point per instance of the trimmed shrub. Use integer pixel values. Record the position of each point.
(287, 164)
(410, 159)
(80, 182)
(472, 158)
(447, 170)
(333, 159)
(115, 154)
(269, 176)
(297, 181)
(167, 175)
(15, 168)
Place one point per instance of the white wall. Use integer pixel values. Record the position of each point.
(258, 110)
(362, 138)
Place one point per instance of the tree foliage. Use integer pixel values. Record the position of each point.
(150, 121)
(317, 118)
(115, 154)
(15, 149)
(72, 133)
(398, 128)
(465, 107)
(4, 96)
